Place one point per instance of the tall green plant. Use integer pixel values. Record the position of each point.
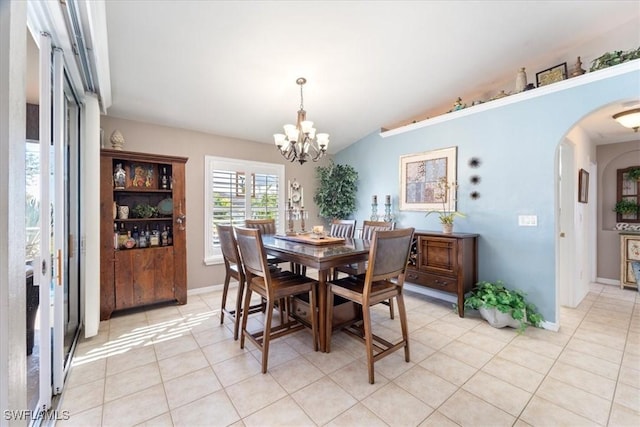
(336, 191)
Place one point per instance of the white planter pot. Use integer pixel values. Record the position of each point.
(498, 319)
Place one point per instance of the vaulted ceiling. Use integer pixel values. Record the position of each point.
(229, 67)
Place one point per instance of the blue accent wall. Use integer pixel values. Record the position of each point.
(516, 145)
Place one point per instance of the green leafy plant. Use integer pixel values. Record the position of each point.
(634, 174)
(626, 207)
(496, 295)
(445, 193)
(145, 211)
(614, 58)
(336, 191)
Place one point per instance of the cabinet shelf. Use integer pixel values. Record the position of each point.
(165, 218)
(140, 191)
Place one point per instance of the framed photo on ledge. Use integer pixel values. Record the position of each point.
(420, 175)
(583, 186)
(552, 75)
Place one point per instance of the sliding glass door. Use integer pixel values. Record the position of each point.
(55, 194)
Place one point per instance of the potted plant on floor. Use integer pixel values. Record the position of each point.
(502, 307)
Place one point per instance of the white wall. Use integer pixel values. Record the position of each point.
(583, 221)
(13, 48)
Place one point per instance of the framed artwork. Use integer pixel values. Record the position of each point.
(583, 186)
(241, 184)
(420, 176)
(552, 75)
(142, 175)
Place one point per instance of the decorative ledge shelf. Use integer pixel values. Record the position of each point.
(584, 79)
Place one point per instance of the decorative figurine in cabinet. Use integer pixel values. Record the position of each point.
(143, 253)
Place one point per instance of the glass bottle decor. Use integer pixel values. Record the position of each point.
(119, 177)
(521, 80)
(374, 208)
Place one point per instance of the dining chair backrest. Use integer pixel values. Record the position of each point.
(228, 244)
(254, 257)
(266, 226)
(343, 228)
(370, 227)
(389, 255)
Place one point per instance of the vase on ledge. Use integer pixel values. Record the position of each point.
(447, 228)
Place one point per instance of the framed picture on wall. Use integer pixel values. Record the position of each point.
(421, 178)
(552, 75)
(583, 186)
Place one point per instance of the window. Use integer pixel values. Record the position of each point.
(628, 191)
(236, 190)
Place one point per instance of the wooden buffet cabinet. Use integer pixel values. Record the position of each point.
(150, 271)
(446, 262)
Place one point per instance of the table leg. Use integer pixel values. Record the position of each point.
(322, 309)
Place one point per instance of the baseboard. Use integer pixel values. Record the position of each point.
(550, 326)
(431, 293)
(207, 289)
(604, 281)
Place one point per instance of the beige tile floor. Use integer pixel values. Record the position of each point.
(178, 366)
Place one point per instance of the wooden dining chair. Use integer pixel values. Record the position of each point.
(272, 288)
(368, 229)
(384, 280)
(266, 226)
(233, 270)
(343, 228)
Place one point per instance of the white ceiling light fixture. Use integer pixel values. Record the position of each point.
(300, 141)
(629, 119)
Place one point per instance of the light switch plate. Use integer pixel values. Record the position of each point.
(528, 220)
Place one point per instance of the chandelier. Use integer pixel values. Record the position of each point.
(300, 141)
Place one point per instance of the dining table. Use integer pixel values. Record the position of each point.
(320, 255)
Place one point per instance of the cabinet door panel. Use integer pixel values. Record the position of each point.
(438, 255)
(123, 266)
(164, 282)
(143, 276)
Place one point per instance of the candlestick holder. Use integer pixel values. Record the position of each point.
(374, 212)
(302, 215)
(290, 220)
(387, 212)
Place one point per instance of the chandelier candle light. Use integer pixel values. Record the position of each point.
(300, 141)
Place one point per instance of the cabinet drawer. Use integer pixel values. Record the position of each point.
(442, 283)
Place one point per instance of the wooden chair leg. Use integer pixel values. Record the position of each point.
(314, 317)
(266, 335)
(402, 311)
(236, 324)
(368, 340)
(247, 304)
(225, 290)
(329, 320)
(391, 308)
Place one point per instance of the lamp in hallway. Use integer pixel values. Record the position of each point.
(629, 119)
(300, 141)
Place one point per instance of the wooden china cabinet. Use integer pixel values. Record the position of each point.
(143, 251)
(446, 262)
